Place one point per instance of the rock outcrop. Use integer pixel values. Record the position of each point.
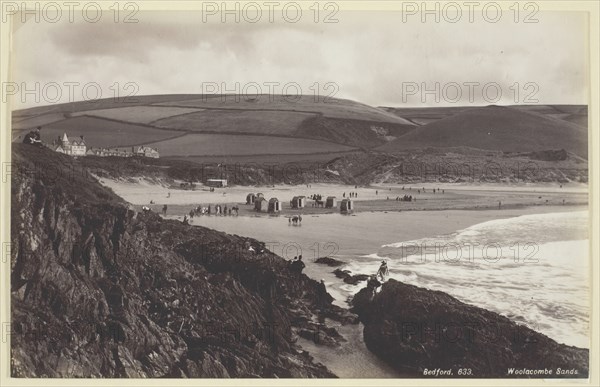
(418, 330)
(329, 261)
(98, 290)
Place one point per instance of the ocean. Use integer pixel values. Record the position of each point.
(533, 268)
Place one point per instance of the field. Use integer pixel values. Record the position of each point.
(137, 114)
(28, 123)
(105, 103)
(104, 133)
(267, 159)
(221, 145)
(237, 121)
(332, 107)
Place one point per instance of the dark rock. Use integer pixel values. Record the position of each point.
(349, 278)
(413, 328)
(329, 261)
(100, 292)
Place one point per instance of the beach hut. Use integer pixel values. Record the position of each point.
(250, 198)
(298, 201)
(261, 204)
(346, 206)
(274, 205)
(260, 195)
(218, 183)
(331, 202)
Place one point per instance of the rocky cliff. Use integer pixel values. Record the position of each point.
(418, 331)
(98, 290)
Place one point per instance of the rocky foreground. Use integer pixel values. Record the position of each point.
(429, 333)
(98, 290)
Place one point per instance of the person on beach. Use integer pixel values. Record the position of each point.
(164, 210)
(383, 271)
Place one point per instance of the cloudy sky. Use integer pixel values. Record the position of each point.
(375, 58)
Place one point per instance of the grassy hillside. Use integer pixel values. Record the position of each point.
(496, 128)
(287, 126)
(302, 128)
(577, 114)
(104, 133)
(222, 145)
(136, 114)
(236, 121)
(327, 107)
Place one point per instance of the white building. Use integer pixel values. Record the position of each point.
(146, 151)
(72, 148)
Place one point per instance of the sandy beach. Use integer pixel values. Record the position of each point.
(374, 198)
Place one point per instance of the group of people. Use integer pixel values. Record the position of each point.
(199, 210)
(219, 210)
(295, 219)
(433, 190)
(350, 195)
(376, 280)
(34, 137)
(296, 264)
(405, 198)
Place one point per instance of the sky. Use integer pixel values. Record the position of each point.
(375, 58)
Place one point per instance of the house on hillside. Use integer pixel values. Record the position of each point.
(274, 205)
(146, 151)
(114, 152)
(68, 147)
(261, 204)
(331, 202)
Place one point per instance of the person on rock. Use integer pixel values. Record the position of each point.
(373, 283)
(297, 265)
(383, 271)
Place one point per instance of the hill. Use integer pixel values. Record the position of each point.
(577, 114)
(98, 290)
(497, 128)
(285, 125)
